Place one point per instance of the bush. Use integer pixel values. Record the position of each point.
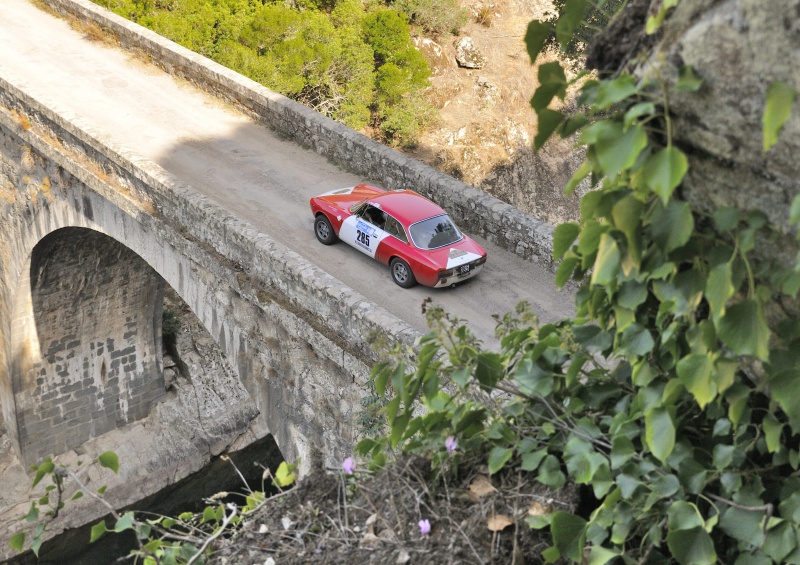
(434, 16)
(672, 393)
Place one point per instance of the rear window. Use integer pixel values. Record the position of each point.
(435, 232)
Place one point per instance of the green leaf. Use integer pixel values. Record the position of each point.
(684, 515)
(97, 531)
(772, 433)
(552, 82)
(17, 541)
(548, 122)
(778, 108)
(781, 541)
(725, 219)
(654, 22)
(43, 469)
(617, 151)
(569, 533)
(565, 269)
(696, 373)
(743, 525)
(665, 170)
(285, 475)
(719, 289)
(36, 544)
(794, 211)
(723, 455)
(550, 473)
(489, 369)
(687, 80)
(109, 460)
(666, 485)
(636, 341)
(592, 337)
(583, 171)
(606, 265)
(610, 92)
(563, 237)
(569, 21)
(637, 111)
(744, 329)
(124, 523)
(600, 555)
(627, 218)
(498, 457)
(102, 489)
(692, 547)
(33, 514)
(535, 38)
(784, 391)
(673, 226)
(659, 433)
(622, 451)
(531, 461)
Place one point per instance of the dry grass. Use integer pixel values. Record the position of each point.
(485, 15)
(331, 519)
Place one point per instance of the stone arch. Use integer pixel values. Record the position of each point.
(86, 341)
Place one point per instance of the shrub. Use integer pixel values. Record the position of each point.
(672, 393)
(434, 16)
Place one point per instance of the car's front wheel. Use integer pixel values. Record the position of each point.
(401, 273)
(324, 230)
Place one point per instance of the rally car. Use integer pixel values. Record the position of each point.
(401, 229)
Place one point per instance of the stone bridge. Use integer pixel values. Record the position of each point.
(91, 233)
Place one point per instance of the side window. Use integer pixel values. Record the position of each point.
(394, 228)
(375, 216)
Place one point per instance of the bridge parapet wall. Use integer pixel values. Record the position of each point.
(237, 280)
(478, 212)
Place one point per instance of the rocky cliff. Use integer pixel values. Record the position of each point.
(482, 82)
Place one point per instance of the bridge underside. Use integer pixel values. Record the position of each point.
(86, 342)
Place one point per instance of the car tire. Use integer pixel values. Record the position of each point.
(401, 273)
(324, 230)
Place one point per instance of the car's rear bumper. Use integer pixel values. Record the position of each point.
(458, 278)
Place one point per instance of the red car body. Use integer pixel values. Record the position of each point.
(401, 229)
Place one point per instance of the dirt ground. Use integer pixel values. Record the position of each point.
(333, 518)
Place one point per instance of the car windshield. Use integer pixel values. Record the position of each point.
(434, 232)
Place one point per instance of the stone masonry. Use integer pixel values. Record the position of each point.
(86, 288)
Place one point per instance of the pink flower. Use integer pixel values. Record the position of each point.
(348, 466)
(451, 444)
(424, 527)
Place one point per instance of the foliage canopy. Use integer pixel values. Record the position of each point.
(327, 55)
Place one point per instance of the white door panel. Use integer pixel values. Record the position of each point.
(362, 235)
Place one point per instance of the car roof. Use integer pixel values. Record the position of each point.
(406, 206)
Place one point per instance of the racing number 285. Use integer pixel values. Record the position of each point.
(362, 237)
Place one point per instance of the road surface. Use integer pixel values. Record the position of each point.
(243, 166)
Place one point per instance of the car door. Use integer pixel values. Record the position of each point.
(361, 234)
(395, 245)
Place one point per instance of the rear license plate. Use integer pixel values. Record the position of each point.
(463, 269)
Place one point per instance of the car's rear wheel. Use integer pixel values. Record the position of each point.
(401, 273)
(324, 230)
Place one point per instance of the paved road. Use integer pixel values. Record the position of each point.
(243, 166)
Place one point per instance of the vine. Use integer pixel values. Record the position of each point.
(671, 394)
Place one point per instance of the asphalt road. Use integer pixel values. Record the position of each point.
(243, 166)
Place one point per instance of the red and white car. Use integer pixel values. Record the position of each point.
(401, 229)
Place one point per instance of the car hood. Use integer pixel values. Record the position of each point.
(458, 253)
